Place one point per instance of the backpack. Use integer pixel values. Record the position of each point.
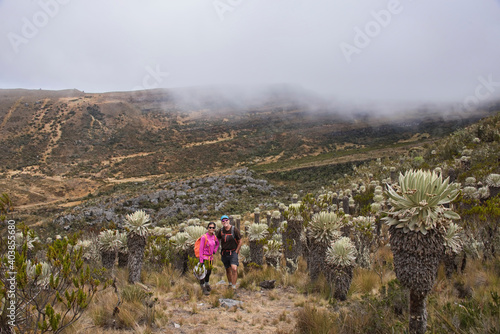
(222, 234)
(197, 245)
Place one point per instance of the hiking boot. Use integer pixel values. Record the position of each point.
(207, 286)
(205, 290)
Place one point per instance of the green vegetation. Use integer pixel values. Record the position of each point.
(335, 267)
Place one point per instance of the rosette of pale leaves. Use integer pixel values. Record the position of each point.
(193, 221)
(194, 233)
(364, 225)
(452, 238)
(40, 271)
(341, 253)
(471, 246)
(161, 231)
(273, 248)
(83, 244)
(467, 152)
(493, 180)
(418, 204)
(180, 241)
(470, 181)
(30, 239)
(137, 222)
(375, 208)
(90, 248)
(470, 192)
(245, 252)
(109, 241)
(324, 227)
(295, 209)
(484, 192)
(275, 214)
(257, 232)
(122, 247)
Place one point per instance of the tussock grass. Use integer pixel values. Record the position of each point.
(164, 280)
(312, 320)
(364, 281)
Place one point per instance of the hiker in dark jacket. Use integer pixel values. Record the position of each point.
(230, 243)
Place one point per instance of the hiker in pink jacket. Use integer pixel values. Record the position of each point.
(208, 246)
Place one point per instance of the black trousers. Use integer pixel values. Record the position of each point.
(207, 277)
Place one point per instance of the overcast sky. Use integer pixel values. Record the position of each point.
(421, 50)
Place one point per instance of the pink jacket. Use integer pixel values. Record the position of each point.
(208, 246)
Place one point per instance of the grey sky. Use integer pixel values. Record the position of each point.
(423, 50)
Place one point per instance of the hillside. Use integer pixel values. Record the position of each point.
(463, 296)
(60, 146)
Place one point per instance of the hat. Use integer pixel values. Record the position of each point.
(224, 217)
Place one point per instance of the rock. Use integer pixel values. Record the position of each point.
(267, 284)
(110, 215)
(229, 303)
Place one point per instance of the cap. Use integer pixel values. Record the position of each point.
(224, 217)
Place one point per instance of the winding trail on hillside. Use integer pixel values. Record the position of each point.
(372, 154)
(9, 113)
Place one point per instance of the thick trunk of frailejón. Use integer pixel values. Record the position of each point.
(292, 246)
(416, 261)
(316, 259)
(122, 259)
(108, 259)
(257, 252)
(136, 245)
(341, 277)
(418, 312)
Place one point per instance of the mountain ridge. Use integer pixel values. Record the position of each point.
(80, 143)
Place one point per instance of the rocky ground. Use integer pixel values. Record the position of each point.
(201, 197)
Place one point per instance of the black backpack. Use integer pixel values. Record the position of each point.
(222, 234)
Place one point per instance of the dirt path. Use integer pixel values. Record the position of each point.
(264, 312)
(376, 153)
(9, 113)
(55, 134)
